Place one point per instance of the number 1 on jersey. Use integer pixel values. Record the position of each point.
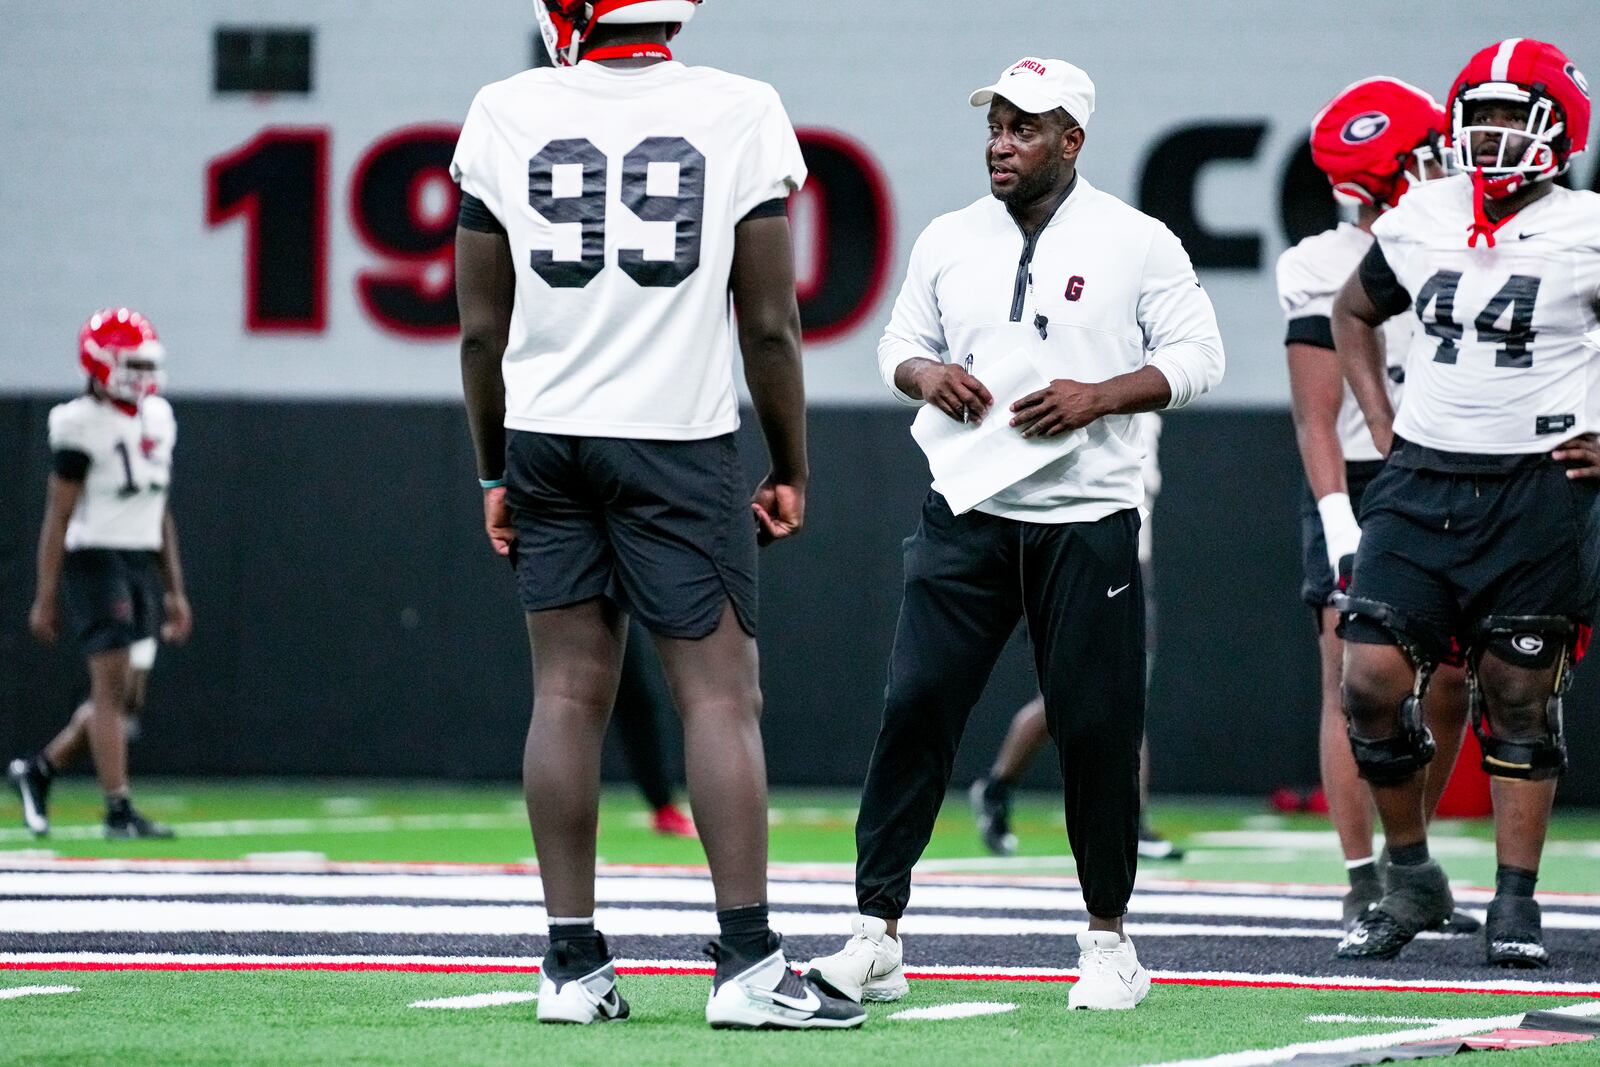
(686, 210)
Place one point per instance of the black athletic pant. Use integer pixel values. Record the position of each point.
(968, 579)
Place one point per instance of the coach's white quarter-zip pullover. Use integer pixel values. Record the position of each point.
(1111, 290)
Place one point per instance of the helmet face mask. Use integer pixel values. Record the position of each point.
(1519, 113)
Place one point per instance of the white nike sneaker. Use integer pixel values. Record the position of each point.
(769, 996)
(1109, 975)
(869, 967)
(590, 999)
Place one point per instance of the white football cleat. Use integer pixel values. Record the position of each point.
(590, 999)
(767, 995)
(1110, 977)
(868, 968)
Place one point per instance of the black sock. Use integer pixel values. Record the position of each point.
(745, 933)
(118, 806)
(1364, 879)
(1409, 855)
(43, 767)
(576, 948)
(1514, 881)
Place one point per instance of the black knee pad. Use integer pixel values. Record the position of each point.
(1533, 642)
(1530, 641)
(1393, 760)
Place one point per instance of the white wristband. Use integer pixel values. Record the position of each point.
(1340, 530)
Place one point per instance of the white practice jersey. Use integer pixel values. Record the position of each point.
(124, 496)
(1310, 275)
(619, 190)
(1503, 362)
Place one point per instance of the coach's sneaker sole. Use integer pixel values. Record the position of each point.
(1110, 977)
(870, 967)
(1418, 899)
(1514, 936)
(767, 995)
(593, 998)
(34, 789)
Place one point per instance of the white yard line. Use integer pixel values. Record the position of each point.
(955, 1011)
(161, 916)
(1360, 1042)
(357, 824)
(1326, 842)
(478, 1000)
(35, 991)
(1406, 1020)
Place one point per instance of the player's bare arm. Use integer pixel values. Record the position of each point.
(762, 281)
(1066, 405)
(1316, 389)
(1355, 322)
(61, 496)
(179, 619)
(485, 289)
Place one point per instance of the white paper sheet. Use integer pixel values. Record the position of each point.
(971, 462)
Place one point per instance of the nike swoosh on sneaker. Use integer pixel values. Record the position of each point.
(810, 1002)
(1113, 592)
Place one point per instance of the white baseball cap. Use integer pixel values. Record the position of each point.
(1040, 85)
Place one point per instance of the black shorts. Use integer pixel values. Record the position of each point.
(661, 528)
(1445, 550)
(111, 597)
(1317, 588)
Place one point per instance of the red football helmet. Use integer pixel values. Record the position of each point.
(120, 350)
(1377, 137)
(565, 23)
(1538, 76)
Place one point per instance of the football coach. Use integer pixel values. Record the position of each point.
(1106, 303)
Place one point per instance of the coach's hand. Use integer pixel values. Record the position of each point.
(179, 619)
(1583, 450)
(42, 621)
(779, 506)
(948, 387)
(1060, 407)
(497, 520)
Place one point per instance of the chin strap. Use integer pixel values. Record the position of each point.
(1481, 226)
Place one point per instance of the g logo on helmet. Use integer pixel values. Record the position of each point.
(1364, 127)
(1577, 77)
(1528, 644)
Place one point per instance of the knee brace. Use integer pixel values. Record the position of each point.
(1531, 641)
(1392, 760)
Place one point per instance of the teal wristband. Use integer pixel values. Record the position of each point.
(492, 483)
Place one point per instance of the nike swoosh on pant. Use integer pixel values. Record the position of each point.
(1113, 592)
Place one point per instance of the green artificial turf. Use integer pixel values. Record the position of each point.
(169, 1019)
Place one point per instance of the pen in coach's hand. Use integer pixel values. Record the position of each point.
(967, 366)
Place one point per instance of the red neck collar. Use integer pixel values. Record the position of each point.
(650, 50)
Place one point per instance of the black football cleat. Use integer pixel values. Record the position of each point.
(34, 789)
(129, 825)
(991, 807)
(1356, 905)
(1152, 846)
(1460, 923)
(1515, 936)
(1418, 899)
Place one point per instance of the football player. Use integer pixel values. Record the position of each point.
(1478, 542)
(1374, 140)
(615, 211)
(991, 795)
(108, 554)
